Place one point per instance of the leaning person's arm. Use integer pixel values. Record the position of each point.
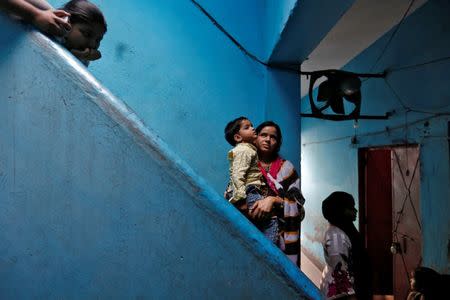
(41, 4)
(20, 8)
(46, 20)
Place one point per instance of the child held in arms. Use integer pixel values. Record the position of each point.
(246, 180)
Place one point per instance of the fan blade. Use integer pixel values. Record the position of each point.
(325, 91)
(337, 104)
(354, 98)
(349, 84)
(321, 109)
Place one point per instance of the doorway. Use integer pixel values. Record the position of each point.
(389, 216)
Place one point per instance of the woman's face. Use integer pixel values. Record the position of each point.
(267, 140)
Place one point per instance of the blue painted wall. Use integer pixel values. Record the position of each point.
(277, 15)
(95, 205)
(244, 20)
(310, 21)
(329, 160)
(185, 79)
(283, 92)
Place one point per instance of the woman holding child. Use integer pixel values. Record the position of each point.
(264, 186)
(284, 185)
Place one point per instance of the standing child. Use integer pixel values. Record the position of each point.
(79, 25)
(347, 272)
(245, 176)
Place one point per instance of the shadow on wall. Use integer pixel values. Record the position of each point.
(8, 38)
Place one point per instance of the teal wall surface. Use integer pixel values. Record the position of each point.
(330, 160)
(95, 205)
(186, 79)
(277, 15)
(308, 23)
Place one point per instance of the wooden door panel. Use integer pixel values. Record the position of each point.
(406, 215)
(378, 218)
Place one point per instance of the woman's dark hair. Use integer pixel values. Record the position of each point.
(279, 135)
(83, 11)
(232, 128)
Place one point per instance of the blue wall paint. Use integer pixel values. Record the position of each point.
(242, 19)
(332, 165)
(283, 105)
(311, 20)
(276, 17)
(184, 78)
(96, 205)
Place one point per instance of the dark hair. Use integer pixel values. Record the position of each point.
(334, 206)
(83, 11)
(279, 135)
(426, 281)
(232, 128)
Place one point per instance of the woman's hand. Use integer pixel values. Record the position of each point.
(53, 22)
(264, 207)
(86, 54)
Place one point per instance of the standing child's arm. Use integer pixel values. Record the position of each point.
(46, 20)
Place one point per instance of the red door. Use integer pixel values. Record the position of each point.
(376, 216)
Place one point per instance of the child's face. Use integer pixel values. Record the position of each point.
(84, 35)
(351, 213)
(246, 134)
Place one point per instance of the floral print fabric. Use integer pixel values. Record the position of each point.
(337, 277)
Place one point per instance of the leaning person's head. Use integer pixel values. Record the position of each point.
(240, 130)
(88, 25)
(339, 208)
(269, 139)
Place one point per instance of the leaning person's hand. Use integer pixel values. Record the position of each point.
(52, 22)
(87, 54)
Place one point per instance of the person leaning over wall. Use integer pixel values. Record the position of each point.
(79, 25)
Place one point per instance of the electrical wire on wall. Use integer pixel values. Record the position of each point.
(391, 37)
(406, 109)
(386, 130)
(288, 67)
(295, 68)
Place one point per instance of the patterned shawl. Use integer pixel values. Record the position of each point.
(284, 181)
